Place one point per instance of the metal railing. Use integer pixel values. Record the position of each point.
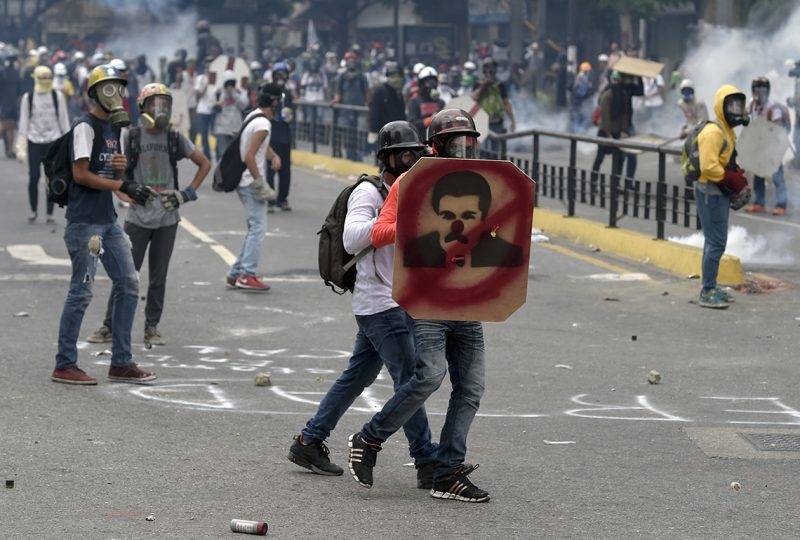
(343, 130)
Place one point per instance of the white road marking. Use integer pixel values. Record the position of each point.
(42, 277)
(643, 405)
(613, 277)
(783, 409)
(218, 401)
(34, 254)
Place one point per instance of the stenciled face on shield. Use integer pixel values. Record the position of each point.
(460, 147)
(158, 111)
(735, 111)
(110, 95)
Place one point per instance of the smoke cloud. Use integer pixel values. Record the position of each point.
(771, 249)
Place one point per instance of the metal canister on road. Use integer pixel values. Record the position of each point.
(249, 527)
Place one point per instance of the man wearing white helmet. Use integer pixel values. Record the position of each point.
(411, 88)
(129, 101)
(42, 119)
(693, 109)
(61, 81)
(426, 103)
(230, 104)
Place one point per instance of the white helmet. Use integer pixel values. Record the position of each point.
(470, 66)
(119, 64)
(602, 58)
(60, 70)
(79, 56)
(255, 64)
(427, 72)
(686, 83)
(417, 68)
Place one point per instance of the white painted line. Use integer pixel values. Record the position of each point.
(219, 400)
(34, 254)
(643, 405)
(42, 277)
(783, 409)
(613, 277)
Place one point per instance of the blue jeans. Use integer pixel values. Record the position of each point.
(713, 211)
(456, 346)
(204, 124)
(118, 262)
(760, 190)
(247, 261)
(383, 339)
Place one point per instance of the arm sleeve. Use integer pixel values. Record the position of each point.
(63, 113)
(361, 213)
(24, 113)
(82, 139)
(383, 232)
(185, 146)
(709, 144)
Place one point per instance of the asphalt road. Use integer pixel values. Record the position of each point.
(204, 444)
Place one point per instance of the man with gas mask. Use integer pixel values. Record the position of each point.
(384, 335)
(153, 151)
(457, 345)
(92, 232)
(43, 118)
(720, 185)
(387, 101)
(694, 110)
(253, 190)
(777, 113)
(352, 88)
(281, 141)
(492, 96)
(426, 103)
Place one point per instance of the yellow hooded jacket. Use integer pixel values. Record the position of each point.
(717, 140)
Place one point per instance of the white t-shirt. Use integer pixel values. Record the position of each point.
(206, 99)
(652, 91)
(42, 126)
(259, 124)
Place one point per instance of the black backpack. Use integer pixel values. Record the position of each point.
(231, 166)
(133, 146)
(337, 268)
(58, 161)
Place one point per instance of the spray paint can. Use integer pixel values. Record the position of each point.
(249, 527)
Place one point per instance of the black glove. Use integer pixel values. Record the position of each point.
(139, 193)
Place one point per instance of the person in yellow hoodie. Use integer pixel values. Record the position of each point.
(721, 185)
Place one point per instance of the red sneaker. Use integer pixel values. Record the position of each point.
(755, 209)
(251, 283)
(129, 373)
(72, 375)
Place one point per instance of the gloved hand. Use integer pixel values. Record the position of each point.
(262, 190)
(139, 193)
(171, 199)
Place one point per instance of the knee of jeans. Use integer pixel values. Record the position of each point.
(431, 378)
(80, 295)
(130, 285)
(472, 394)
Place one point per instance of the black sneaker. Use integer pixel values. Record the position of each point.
(457, 486)
(313, 457)
(425, 474)
(361, 459)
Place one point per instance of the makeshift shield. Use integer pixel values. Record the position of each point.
(223, 63)
(638, 67)
(463, 239)
(761, 147)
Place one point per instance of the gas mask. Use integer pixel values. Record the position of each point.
(43, 84)
(398, 162)
(459, 146)
(761, 95)
(734, 110)
(395, 80)
(688, 95)
(157, 112)
(109, 95)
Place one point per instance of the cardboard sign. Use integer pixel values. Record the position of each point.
(223, 63)
(463, 239)
(636, 66)
(761, 147)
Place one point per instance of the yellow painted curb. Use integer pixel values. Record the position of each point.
(342, 167)
(670, 256)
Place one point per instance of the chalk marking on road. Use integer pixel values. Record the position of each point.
(42, 277)
(220, 401)
(311, 320)
(784, 409)
(616, 278)
(644, 405)
(293, 396)
(594, 261)
(35, 255)
(249, 332)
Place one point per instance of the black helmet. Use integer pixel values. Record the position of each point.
(399, 138)
(451, 121)
(393, 68)
(268, 94)
(760, 82)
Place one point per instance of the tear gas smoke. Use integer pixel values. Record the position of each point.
(172, 29)
(770, 249)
